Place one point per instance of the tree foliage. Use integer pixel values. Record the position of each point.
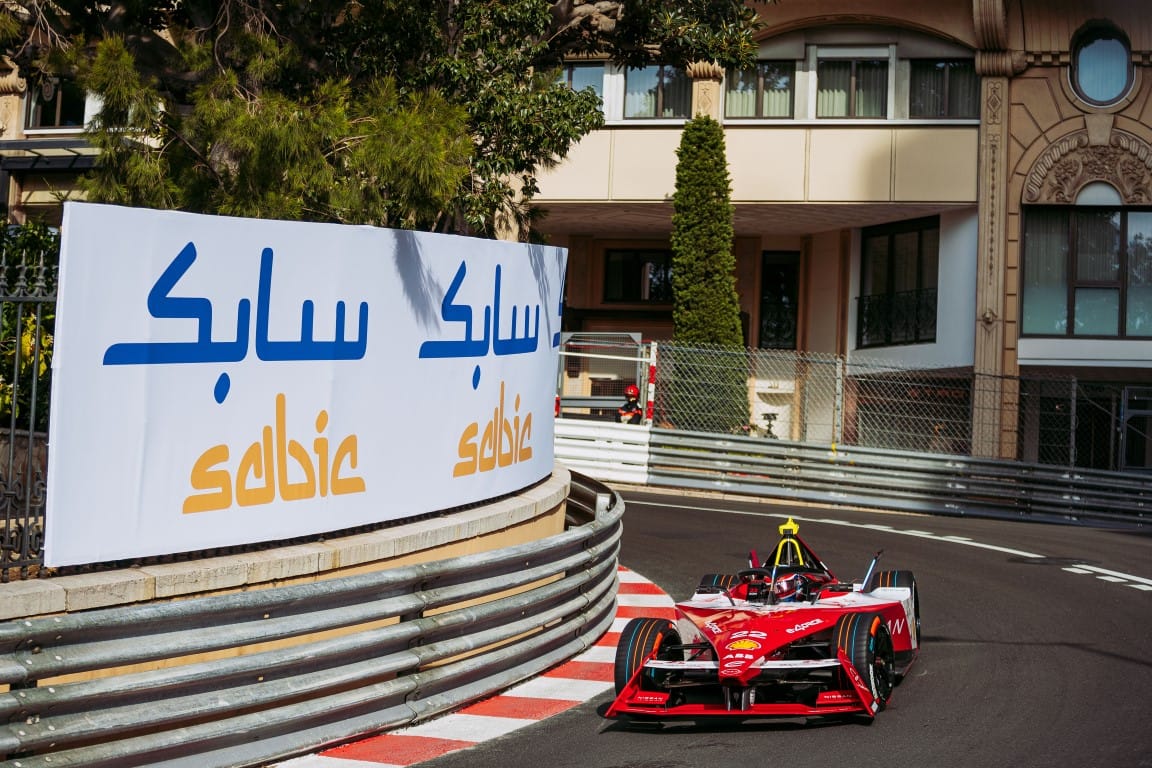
(705, 396)
(706, 309)
(430, 114)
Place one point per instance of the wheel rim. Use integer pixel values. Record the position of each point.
(883, 672)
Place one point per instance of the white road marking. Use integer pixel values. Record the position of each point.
(1142, 583)
(558, 688)
(1126, 576)
(318, 761)
(605, 653)
(645, 601)
(474, 728)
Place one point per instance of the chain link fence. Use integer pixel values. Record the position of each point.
(827, 400)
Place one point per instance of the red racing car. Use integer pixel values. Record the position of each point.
(785, 638)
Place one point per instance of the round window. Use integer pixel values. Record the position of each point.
(1101, 65)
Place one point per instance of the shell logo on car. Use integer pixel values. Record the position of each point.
(743, 645)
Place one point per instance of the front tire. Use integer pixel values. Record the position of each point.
(640, 638)
(864, 639)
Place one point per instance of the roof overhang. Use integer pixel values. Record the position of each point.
(61, 154)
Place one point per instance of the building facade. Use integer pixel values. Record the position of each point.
(958, 186)
(953, 186)
(42, 151)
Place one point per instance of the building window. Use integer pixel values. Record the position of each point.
(579, 76)
(898, 274)
(943, 89)
(762, 91)
(1087, 272)
(1101, 64)
(852, 87)
(779, 300)
(658, 91)
(55, 103)
(638, 275)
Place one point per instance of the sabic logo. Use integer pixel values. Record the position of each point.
(262, 472)
(505, 441)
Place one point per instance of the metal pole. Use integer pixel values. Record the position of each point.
(1072, 426)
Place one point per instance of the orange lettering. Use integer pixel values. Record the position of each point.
(204, 478)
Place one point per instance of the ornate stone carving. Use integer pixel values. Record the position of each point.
(11, 83)
(991, 20)
(993, 103)
(992, 210)
(1125, 162)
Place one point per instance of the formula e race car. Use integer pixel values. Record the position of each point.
(785, 638)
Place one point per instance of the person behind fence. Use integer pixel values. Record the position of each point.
(630, 412)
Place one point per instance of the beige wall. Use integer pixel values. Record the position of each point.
(767, 164)
(823, 310)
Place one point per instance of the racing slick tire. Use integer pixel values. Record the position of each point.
(723, 581)
(638, 640)
(864, 639)
(907, 580)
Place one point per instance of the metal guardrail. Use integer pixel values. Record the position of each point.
(916, 482)
(372, 652)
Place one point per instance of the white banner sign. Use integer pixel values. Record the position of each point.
(221, 381)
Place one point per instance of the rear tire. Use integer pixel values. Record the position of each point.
(901, 579)
(723, 581)
(637, 642)
(905, 579)
(864, 639)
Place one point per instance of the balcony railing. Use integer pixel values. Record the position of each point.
(888, 319)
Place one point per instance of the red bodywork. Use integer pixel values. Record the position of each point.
(740, 655)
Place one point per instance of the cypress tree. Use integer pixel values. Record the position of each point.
(708, 386)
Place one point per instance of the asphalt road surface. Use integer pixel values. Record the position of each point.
(1036, 647)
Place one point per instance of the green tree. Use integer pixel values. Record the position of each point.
(709, 388)
(29, 256)
(431, 114)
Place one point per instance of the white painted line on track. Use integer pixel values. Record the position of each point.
(645, 601)
(319, 761)
(560, 689)
(1141, 587)
(847, 524)
(605, 653)
(1125, 576)
(1113, 579)
(962, 540)
(460, 727)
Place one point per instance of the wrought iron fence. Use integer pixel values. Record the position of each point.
(897, 318)
(28, 274)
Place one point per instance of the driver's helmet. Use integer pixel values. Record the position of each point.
(632, 392)
(787, 587)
